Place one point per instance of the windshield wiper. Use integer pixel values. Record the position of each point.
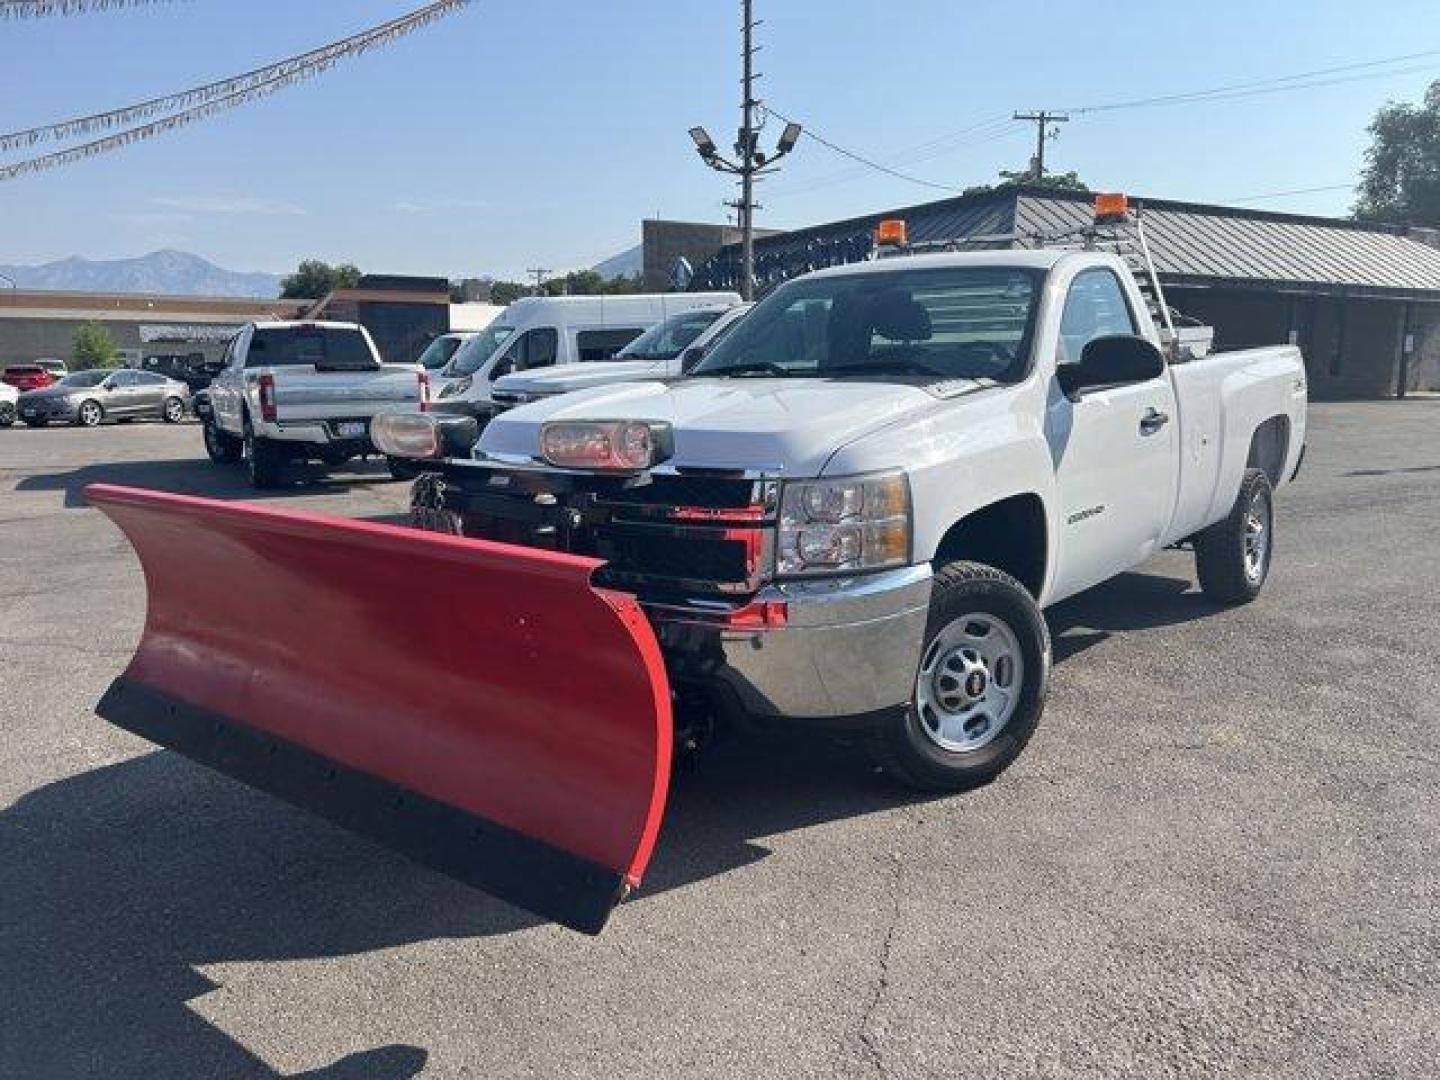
(893, 366)
(754, 367)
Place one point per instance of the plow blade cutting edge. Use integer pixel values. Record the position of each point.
(479, 707)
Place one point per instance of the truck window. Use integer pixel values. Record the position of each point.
(1094, 307)
(944, 323)
(327, 348)
(533, 349)
(597, 345)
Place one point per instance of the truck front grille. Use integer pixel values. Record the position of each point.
(668, 536)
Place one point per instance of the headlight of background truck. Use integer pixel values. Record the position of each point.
(850, 523)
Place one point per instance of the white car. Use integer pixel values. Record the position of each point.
(302, 390)
(852, 512)
(9, 397)
(666, 350)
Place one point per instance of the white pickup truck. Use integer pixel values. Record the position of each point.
(854, 509)
(292, 391)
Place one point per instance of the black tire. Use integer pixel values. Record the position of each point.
(89, 414)
(7, 414)
(223, 449)
(1225, 558)
(263, 464)
(904, 746)
(172, 410)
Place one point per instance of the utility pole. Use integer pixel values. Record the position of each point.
(749, 162)
(1043, 131)
(538, 273)
(745, 150)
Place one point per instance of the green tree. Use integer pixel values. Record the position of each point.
(94, 347)
(507, 292)
(314, 279)
(1069, 181)
(1400, 182)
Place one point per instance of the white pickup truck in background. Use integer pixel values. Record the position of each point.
(294, 391)
(853, 510)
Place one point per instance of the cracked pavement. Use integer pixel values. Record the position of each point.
(1220, 855)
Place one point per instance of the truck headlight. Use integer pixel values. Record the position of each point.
(456, 387)
(852, 523)
(622, 445)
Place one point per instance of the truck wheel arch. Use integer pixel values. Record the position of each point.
(1270, 448)
(1011, 534)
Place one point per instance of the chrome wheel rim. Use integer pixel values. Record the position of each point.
(1257, 536)
(969, 683)
(89, 414)
(173, 409)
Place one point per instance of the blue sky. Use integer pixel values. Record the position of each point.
(521, 134)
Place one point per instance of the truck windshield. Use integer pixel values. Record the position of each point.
(934, 323)
(326, 348)
(471, 356)
(667, 340)
(438, 353)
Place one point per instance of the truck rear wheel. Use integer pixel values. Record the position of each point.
(263, 463)
(1232, 557)
(980, 687)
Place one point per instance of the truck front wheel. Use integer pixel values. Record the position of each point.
(1232, 557)
(980, 688)
(223, 449)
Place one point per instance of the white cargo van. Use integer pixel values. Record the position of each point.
(541, 331)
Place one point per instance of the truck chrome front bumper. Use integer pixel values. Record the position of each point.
(825, 649)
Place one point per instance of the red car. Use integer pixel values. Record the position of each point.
(27, 377)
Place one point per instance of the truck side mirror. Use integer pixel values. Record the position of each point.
(1112, 361)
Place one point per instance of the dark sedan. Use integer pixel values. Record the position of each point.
(87, 398)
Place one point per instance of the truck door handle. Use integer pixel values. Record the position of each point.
(1153, 421)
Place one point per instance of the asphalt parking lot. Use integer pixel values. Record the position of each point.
(1219, 857)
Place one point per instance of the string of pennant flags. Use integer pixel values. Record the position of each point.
(169, 112)
(35, 9)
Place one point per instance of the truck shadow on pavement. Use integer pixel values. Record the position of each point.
(189, 476)
(119, 886)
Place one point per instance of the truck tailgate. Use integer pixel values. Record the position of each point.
(303, 393)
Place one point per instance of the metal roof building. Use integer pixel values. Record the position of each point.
(1362, 300)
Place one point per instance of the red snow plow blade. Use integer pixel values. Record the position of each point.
(479, 707)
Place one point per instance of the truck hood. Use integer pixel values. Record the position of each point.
(789, 426)
(568, 377)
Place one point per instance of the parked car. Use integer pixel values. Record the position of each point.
(665, 351)
(544, 331)
(54, 366)
(27, 377)
(293, 391)
(9, 396)
(88, 398)
(436, 356)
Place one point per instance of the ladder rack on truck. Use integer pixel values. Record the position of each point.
(1116, 229)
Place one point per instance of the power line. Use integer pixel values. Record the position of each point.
(998, 127)
(283, 74)
(1274, 84)
(310, 62)
(810, 133)
(1292, 191)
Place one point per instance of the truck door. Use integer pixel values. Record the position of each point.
(1114, 448)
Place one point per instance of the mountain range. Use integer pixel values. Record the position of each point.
(169, 273)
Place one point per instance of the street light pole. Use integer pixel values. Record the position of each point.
(749, 162)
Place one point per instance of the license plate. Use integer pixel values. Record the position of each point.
(29, 412)
(350, 429)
